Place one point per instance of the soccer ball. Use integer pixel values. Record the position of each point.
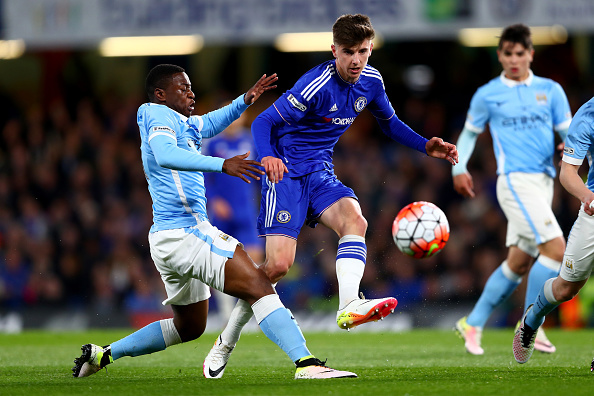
(420, 229)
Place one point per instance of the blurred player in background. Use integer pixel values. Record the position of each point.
(523, 112)
(232, 203)
(296, 136)
(189, 253)
(578, 260)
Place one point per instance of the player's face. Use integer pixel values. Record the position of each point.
(350, 61)
(515, 60)
(179, 95)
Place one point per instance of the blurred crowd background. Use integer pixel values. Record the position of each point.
(75, 210)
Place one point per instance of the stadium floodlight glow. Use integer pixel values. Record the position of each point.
(11, 49)
(310, 42)
(151, 45)
(303, 42)
(489, 37)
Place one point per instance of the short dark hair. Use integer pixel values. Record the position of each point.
(159, 77)
(350, 30)
(518, 33)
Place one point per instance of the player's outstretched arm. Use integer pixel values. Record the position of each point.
(464, 185)
(240, 167)
(437, 148)
(262, 85)
(573, 183)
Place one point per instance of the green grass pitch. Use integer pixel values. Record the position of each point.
(419, 362)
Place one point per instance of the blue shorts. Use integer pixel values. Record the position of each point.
(287, 205)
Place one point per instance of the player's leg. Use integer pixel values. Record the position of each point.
(554, 292)
(282, 213)
(280, 254)
(187, 324)
(279, 249)
(548, 236)
(244, 230)
(245, 280)
(524, 198)
(500, 285)
(345, 218)
(545, 267)
(187, 295)
(578, 263)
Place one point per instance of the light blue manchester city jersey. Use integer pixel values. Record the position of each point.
(521, 116)
(580, 140)
(177, 190)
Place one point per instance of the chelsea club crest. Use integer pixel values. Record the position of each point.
(360, 104)
(283, 216)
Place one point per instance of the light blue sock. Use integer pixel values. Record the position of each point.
(538, 275)
(147, 340)
(281, 328)
(500, 286)
(545, 302)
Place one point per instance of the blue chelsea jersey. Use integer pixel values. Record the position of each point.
(580, 140)
(318, 109)
(522, 117)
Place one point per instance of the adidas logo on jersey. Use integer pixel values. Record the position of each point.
(334, 108)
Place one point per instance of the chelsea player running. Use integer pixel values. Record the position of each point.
(523, 111)
(190, 253)
(296, 136)
(578, 260)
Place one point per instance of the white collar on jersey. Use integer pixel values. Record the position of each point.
(513, 83)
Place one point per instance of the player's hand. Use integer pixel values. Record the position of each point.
(464, 185)
(240, 167)
(261, 86)
(275, 168)
(221, 208)
(437, 148)
(589, 205)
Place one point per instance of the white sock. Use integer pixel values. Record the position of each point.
(240, 316)
(509, 274)
(350, 265)
(170, 334)
(265, 306)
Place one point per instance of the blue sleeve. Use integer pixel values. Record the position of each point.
(169, 156)
(262, 130)
(561, 110)
(391, 125)
(402, 133)
(465, 145)
(478, 113)
(215, 122)
(380, 106)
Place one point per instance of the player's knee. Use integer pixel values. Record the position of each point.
(553, 249)
(565, 293)
(278, 269)
(519, 267)
(355, 224)
(361, 224)
(191, 330)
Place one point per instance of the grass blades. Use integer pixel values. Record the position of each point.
(419, 362)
